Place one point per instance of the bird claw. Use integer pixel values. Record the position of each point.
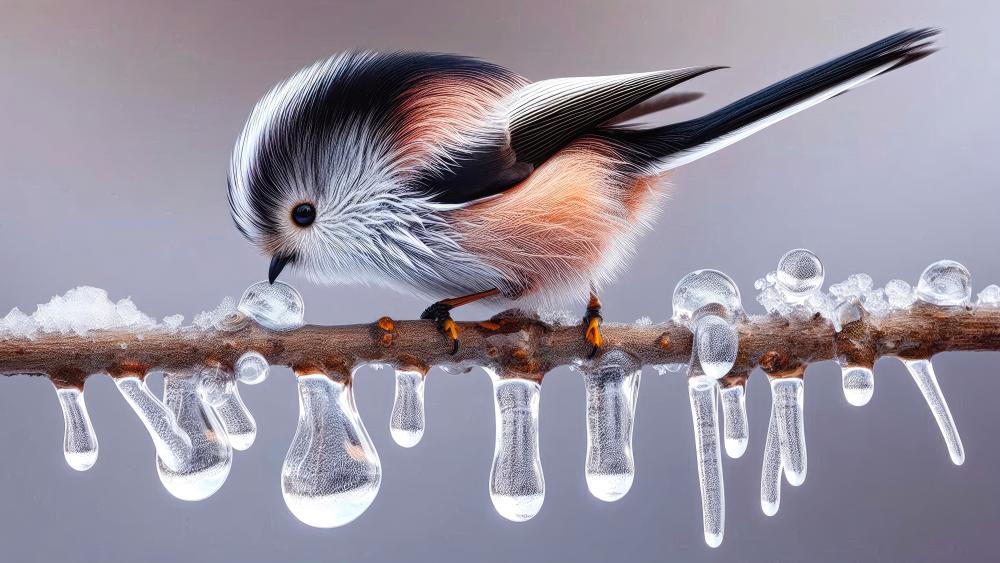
(592, 333)
(440, 313)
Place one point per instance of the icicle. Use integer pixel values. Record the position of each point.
(406, 423)
(517, 485)
(251, 368)
(237, 421)
(276, 306)
(701, 392)
(770, 473)
(786, 400)
(211, 455)
(173, 446)
(332, 472)
(734, 415)
(612, 390)
(79, 439)
(923, 375)
(858, 383)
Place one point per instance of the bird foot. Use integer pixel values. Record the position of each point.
(440, 313)
(592, 323)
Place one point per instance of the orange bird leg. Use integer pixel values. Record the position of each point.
(440, 313)
(592, 323)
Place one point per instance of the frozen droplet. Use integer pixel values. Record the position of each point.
(799, 274)
(989, 296)
(859, 384)
(276, 306)
(332, 472)
(787, 400)
(211, 452)
(517, 485)
(79, 439)
(214, 385)
(237, 421)
(716, 344)
(701, 392)
(923, 374)
(173, 446)
(734, 415)
(251, 368)
(406, 423)
(899, 294)
(703, 287)
(770, 473)
(612, 390)
(945, 283)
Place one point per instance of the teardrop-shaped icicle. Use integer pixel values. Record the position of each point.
(517, 485)
(237, 421)
(332, 472)
(702, 394)
(406, 423)
(786, 400)
(173, 446)
(79, 439)
(612, 390)
(211, 455)
(734, 414)
(251, 368)
(923, 374)
(859, 384)
(770, 473)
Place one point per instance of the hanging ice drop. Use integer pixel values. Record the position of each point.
(276, 306)
(701, 392)
(251, 368)
(770, 473)
(406, 423)
(945, 283)
(237, 421)
(717, 342)
(517, 485)
(799, 274)
(79, 439)
(612, 390)
(858, 383)
(211, 454)
(332, 472)
(734, 414)
(786, 400)
(173, 446)
(923, 375)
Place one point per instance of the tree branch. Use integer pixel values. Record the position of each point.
(518, 343)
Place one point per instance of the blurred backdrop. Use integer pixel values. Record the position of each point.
(117, 123)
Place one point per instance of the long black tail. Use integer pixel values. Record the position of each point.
(670, 146)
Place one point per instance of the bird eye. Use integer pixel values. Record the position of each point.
(304, 214)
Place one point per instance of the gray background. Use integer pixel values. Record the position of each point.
(117, 123)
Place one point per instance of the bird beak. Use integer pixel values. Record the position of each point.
(278, 262)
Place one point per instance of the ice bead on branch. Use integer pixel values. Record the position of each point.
(799, 275)
(612, 390)
(517, 485)
(717, 343)
(173, 446)
(945, 283)
(332, 472)
(211, 453)
(989, 296)
(251, 368)
(734, 416)
(276, 306)
(770, 473)
(406, 423)
(858, 383)
(79, 439)
(237, 421)
(787, 401)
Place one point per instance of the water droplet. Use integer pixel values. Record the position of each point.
(703, 287)
(332, 472)
(79, 439)
(923, 375)
(211, 454)
(173, 446)
(406, 423)
(734, 415)
(214, 385)
(237, 421)
(859, 384)
(612, 390)
(277, 306)
(517, 485)
(716, 344)
(945, 283)
(799, 274)
(251, 368)
(787, 401)
(770, 473)
(989, 296)
(702, 395)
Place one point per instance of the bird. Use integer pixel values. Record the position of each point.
(457, 180)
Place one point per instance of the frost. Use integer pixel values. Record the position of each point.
(557, 317)
(173, 322)
(213, 319)
(79, 311)
(644, 321)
